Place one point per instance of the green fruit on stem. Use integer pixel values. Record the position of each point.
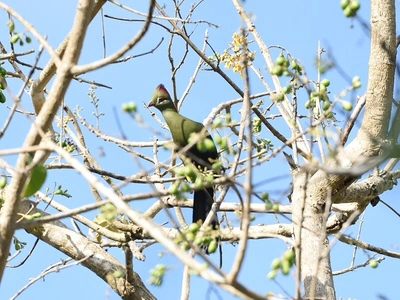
(325, 82)
(212, 246)
(3, 182)
(280, 60)
(277, 70)
(346, 105)
(2, 97)
(326, 105)
(3, 72)
(272, 274)
(344, 3)
(14, 38)
(276, 264)
(354, 5)
(373, 263)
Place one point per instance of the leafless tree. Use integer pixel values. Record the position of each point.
(326, 195)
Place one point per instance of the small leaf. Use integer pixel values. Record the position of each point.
(38, 177)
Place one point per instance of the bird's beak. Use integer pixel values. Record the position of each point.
(150, 104)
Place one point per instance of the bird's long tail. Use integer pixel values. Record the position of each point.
(202, 202)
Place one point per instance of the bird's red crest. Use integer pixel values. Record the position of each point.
(161, 88)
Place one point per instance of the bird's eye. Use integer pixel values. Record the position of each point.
(160, 99)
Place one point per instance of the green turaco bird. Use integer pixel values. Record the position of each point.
(181, 128)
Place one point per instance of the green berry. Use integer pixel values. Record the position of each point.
(185, 187)
(11, 25)
(344, 3)
(289, 255)
(194, 227)
(217, 123)
(198, 183)
(179, 171)
(14, 38)
(326, 105)
(3, 182)
(373, 263)
(272, 274)
(276, 264)
(173, 189)
(208, 144)
(285, 267)
(129, 107)
(212, 246)
(356, 82)
(280, 60)
(354, 5)
(348, 12)
(346, 105)
(277, 70)
(3, 72)
(287, 89)
(190, 236)
(3, 83)
(325, 82)
(189, 172)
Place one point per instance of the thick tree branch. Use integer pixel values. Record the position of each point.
(100, 262)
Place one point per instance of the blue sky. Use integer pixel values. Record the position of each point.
(295, 25)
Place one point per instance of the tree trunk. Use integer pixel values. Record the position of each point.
(313, 194)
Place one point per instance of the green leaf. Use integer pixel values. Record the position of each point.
(38, 177)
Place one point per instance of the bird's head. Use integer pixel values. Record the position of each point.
(161, 99)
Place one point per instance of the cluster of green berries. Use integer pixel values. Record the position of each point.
(281, 67)
(284, 263)
(3, 84)
(269, 205)
(17, 37)
(157, 274)
(190, 171)
(192, 235)
(321, 94)
(350, 7)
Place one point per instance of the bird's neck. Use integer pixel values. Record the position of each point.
(170, 115)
